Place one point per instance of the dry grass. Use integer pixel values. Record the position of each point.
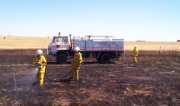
(153, 46)
(164, 48)
(20, 42)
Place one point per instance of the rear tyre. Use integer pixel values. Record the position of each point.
(104, 58)
(61, 58)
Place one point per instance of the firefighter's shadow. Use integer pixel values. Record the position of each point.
(52, 62)
(87, 62)
(64, 80)
(110, 62)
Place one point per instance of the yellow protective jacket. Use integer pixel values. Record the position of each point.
(135, 52)
(41, 60)
(77, 60)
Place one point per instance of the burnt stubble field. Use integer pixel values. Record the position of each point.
(154, 80)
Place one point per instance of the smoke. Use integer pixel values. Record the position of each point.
(26, 80)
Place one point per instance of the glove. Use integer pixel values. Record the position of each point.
(39, 67)
(39, 63)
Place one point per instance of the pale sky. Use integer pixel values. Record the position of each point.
(150, 20)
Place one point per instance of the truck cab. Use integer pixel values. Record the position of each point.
(58, 43)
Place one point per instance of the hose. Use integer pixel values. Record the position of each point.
(49, 79)
(56, 80)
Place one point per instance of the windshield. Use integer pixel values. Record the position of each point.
(60, 40)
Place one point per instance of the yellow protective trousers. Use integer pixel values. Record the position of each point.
(135, 59)
(40, 75)
(135, 52)
(74, 72)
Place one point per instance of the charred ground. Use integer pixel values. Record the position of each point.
(154, 80)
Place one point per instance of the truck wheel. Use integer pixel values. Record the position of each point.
(61, 58)
(104, 58)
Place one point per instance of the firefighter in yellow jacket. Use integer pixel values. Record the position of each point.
(40, 63)
(75, 64)
(135, 52)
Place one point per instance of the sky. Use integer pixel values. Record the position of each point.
(149, 20)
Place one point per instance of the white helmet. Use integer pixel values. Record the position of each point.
(135, 46)
(39, 51)
(77, 49)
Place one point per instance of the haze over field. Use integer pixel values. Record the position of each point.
(150, 20)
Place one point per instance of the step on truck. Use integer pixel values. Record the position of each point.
(103, 48)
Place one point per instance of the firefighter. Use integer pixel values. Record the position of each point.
(75, 64)
(40, 63)
(135, 52)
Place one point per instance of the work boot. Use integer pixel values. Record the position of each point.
(71, 78)
(40, 84)
(77, 79)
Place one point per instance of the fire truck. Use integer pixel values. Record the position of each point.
(103, 48)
